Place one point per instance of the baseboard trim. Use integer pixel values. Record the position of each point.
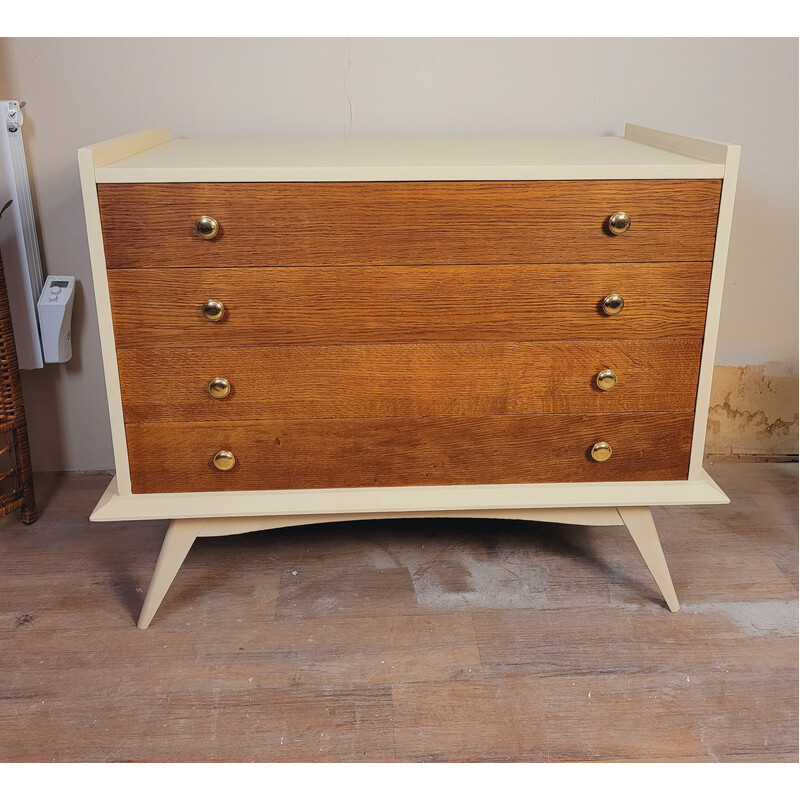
(753, 458)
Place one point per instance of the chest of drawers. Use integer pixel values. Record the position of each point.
(310, 331)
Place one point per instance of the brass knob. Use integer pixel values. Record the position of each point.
(607, 379)
(224, 460)
(219, 388)
(206, 227)
(619, 223)
(613, 304)
(601, 451)
(215, 311)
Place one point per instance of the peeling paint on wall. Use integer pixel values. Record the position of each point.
(754, 411)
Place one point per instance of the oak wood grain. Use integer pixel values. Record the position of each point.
(408, 380)
(425, 451)
(407, 222)
(295, 305)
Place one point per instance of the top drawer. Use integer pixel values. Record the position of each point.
(407, 222)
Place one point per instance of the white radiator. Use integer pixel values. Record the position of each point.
(18, 242)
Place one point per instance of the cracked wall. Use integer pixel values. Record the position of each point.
(754, 411)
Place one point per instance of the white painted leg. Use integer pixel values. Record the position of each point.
(179, 539)
(182, 533)
(639, 522)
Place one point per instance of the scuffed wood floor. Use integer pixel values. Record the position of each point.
(425, 640)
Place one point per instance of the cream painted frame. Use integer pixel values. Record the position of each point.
(120, 503)
(246, 511)
(728, 155)
(89, 159)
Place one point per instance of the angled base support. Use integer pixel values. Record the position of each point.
(641, 527)
(182, 533)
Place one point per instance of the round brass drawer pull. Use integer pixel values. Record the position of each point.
(219, 388)
(206, 227)
(619, 223)
(607, 379)
(613, 304)
(213, 310)
(224, 460)
(601, 451)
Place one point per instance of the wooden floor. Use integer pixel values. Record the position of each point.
(413, 640)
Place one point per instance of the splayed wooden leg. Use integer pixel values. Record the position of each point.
(179, 539)
(640, 524)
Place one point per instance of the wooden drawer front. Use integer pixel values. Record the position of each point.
(326, 453)
(295, 305)
(386, 223)
(408, 380)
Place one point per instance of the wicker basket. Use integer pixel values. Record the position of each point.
(16, 478)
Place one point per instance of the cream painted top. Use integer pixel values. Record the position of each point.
(542, 158)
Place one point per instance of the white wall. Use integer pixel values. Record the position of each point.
(81, 91)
